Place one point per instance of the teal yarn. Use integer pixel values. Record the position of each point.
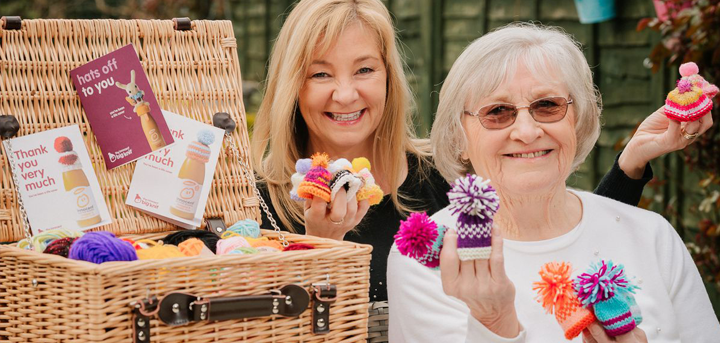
(615, 316)
(432, 258)
(629, 299)
(246, 228)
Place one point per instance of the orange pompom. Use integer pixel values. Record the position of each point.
(320, 159)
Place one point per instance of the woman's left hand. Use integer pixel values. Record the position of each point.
(658, 135)
(595, 334)
(482, 285)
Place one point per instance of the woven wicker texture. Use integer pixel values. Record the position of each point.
(77, 301)
(195, 73)
(378, 322)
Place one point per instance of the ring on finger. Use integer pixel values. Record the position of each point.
(689, 136)
(340, 222)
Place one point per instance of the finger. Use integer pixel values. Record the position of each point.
(497, 258)
(598, 333)
(449, 261)
(339, 207)
(351, 207)
(587, 337)
(317, 210)
(707, 123)
(362, 209)
(640, 335)
(692, 127)
(673, 129)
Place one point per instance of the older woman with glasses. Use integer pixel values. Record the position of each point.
(519, 108)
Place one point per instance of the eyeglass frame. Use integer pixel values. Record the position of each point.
(569, 101)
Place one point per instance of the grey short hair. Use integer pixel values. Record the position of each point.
(493, 58)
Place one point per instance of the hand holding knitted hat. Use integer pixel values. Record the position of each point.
(476, 202)
(317, 180)
(691, 100)
(556, 294)
(604, 287)
(421, 239)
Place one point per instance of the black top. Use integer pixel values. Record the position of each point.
(382, 221)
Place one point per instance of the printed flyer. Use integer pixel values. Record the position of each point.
(57, 182)
(173, 183)
(121, 107)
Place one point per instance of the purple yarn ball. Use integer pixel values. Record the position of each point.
(99, 247)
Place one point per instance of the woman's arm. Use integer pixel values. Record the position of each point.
(656, 136)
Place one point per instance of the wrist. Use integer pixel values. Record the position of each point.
(505, 325)
(633, 169)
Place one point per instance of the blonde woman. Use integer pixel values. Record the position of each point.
(336, 84)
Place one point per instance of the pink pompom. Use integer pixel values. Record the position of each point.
(416, 235)
(684, 86)
(687, 69)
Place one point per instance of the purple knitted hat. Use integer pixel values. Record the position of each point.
(476, 202)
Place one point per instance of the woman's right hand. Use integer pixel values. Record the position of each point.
(336, 220)
(482, 285)
(595, 334)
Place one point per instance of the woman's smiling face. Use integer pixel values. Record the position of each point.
(527, 157)
(343, 97)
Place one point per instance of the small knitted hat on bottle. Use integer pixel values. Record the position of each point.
(317, 180)
(556, 294)
(302, 166)
(476, 202)
(200, 150)
(687, 102)
(599, 288)
(421, 239)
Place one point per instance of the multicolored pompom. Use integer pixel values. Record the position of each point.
(476, 202)
(604, 287)
(420, 238)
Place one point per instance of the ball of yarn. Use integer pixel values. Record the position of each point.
(206, 137)
(100, 247)
(687, 69)
(246, 228)
(243, 251)
(210, 239)
(303, 165)
(224, 246)
(360, 163)
(60, 247)
(41, 240)
(159, 252)
(298, 246)
(63, 144)
(191, 247)
(268, 243)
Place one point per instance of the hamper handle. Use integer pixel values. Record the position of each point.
(179, 309)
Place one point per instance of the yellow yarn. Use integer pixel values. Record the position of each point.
(360, 163)
(159, 251)
(42, 240)
(686, 98)
(254, 241)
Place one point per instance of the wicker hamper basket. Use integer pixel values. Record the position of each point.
(194, 70)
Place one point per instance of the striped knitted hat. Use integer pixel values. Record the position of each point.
(317, 180)
(420, 238)
(601, 288)
(476, 202)
(691, 100)
(556, 294)
(200, 150)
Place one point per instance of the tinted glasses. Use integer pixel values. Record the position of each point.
(501, 115)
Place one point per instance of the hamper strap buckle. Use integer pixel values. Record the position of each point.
(323, 295)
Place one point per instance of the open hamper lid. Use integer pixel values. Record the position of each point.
(193, 70)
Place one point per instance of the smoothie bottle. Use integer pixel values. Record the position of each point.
(149, 126)
(192, 176)
(79, 193)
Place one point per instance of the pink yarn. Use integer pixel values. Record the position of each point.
(690, 68)
(416, 235)
(684, 86)
(225, 246)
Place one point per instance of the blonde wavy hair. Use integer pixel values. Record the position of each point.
(280, 134)
(491, 60)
